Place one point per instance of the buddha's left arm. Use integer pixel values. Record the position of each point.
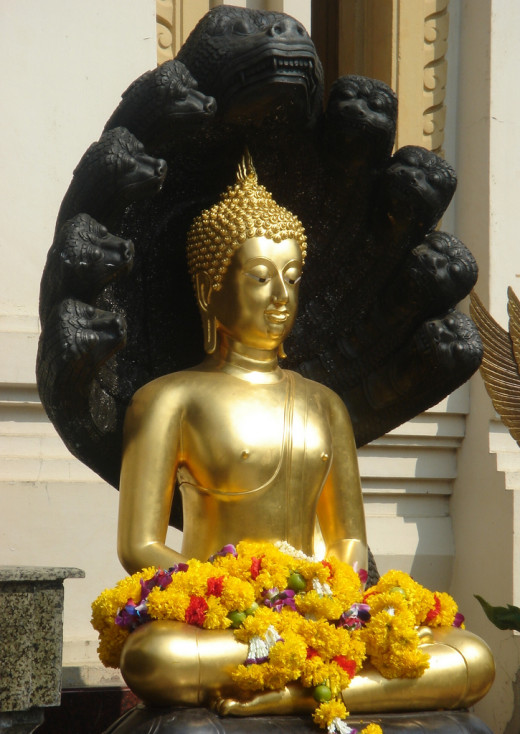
(340, 507)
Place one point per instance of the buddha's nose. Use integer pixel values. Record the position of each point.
(280, 294)
(287, 28)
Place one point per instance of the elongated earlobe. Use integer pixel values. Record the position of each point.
(209, 322)
(210, 333)
(281, 351)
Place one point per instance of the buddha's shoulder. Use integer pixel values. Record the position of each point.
(311, 387)
(176, 386)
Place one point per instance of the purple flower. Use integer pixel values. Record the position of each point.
(277, 600)
(162, 579)
(355, 618)
(132, 615)
(224, 552)
(458, 621)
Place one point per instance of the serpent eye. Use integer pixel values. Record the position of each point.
(350, 93)
(240, 27)
(129, 163)
(377, 103)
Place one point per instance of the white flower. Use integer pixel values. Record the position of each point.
(271, 637)
(339, 726)
(285, 547)
(322, 589)
(259, 647)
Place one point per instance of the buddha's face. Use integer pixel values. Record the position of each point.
(259, 296)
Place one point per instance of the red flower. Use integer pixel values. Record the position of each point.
(215, 585)
(435, 611)
(256, 565)
(363, 575)
(196, 611)
(311, 653)
(349, 666)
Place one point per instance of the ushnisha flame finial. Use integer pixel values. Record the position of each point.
(246, 168)
(244, 210)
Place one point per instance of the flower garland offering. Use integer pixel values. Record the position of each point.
(302, 619)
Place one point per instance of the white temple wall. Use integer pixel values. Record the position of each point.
(64, 64)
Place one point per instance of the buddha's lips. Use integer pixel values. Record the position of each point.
(277, 317)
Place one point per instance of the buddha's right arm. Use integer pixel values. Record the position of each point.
(150, 458)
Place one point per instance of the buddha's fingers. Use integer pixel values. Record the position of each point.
(292, 699)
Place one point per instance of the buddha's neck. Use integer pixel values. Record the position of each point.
(247, 363)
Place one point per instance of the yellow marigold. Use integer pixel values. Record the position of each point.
(314, 672)
(327, 712)
(275, 677)
(378, 634)
(274, 568)
(337, 678)
(372, 729)
(289, 655)
(345, 584)
(168, 603)
(312, 569)
(326, 639)
(104, 609)
(236, 594)
(405, 663)
(287, 621)
(250, 677)
(111, 641)
(195, 580)
(110, 601)
(448, 610)
(392, 642)
(316, 606)
(357, 648)
(257, 624)
(216, 615)
(419, 599)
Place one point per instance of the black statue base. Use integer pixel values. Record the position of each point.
(144, 720)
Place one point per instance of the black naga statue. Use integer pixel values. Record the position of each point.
(376, 320)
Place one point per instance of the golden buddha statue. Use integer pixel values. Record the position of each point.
(258, 453)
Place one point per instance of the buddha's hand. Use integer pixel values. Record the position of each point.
(292, 699)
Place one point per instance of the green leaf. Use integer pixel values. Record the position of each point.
(505, 618)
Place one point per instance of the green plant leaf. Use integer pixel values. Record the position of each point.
(505, 618)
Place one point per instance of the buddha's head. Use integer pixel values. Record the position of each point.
(245, 256)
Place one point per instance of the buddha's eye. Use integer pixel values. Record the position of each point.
(292, 276)
(259, 273)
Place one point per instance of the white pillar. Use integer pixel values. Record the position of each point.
(487, 217)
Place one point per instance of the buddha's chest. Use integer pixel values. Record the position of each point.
(238, 441)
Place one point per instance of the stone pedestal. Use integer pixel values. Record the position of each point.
(31, 641)
(143, 720)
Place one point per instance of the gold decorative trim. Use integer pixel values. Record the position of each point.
(436, 29)
(175, 21)
(401, 42)
(421, 42)
(165, 14)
